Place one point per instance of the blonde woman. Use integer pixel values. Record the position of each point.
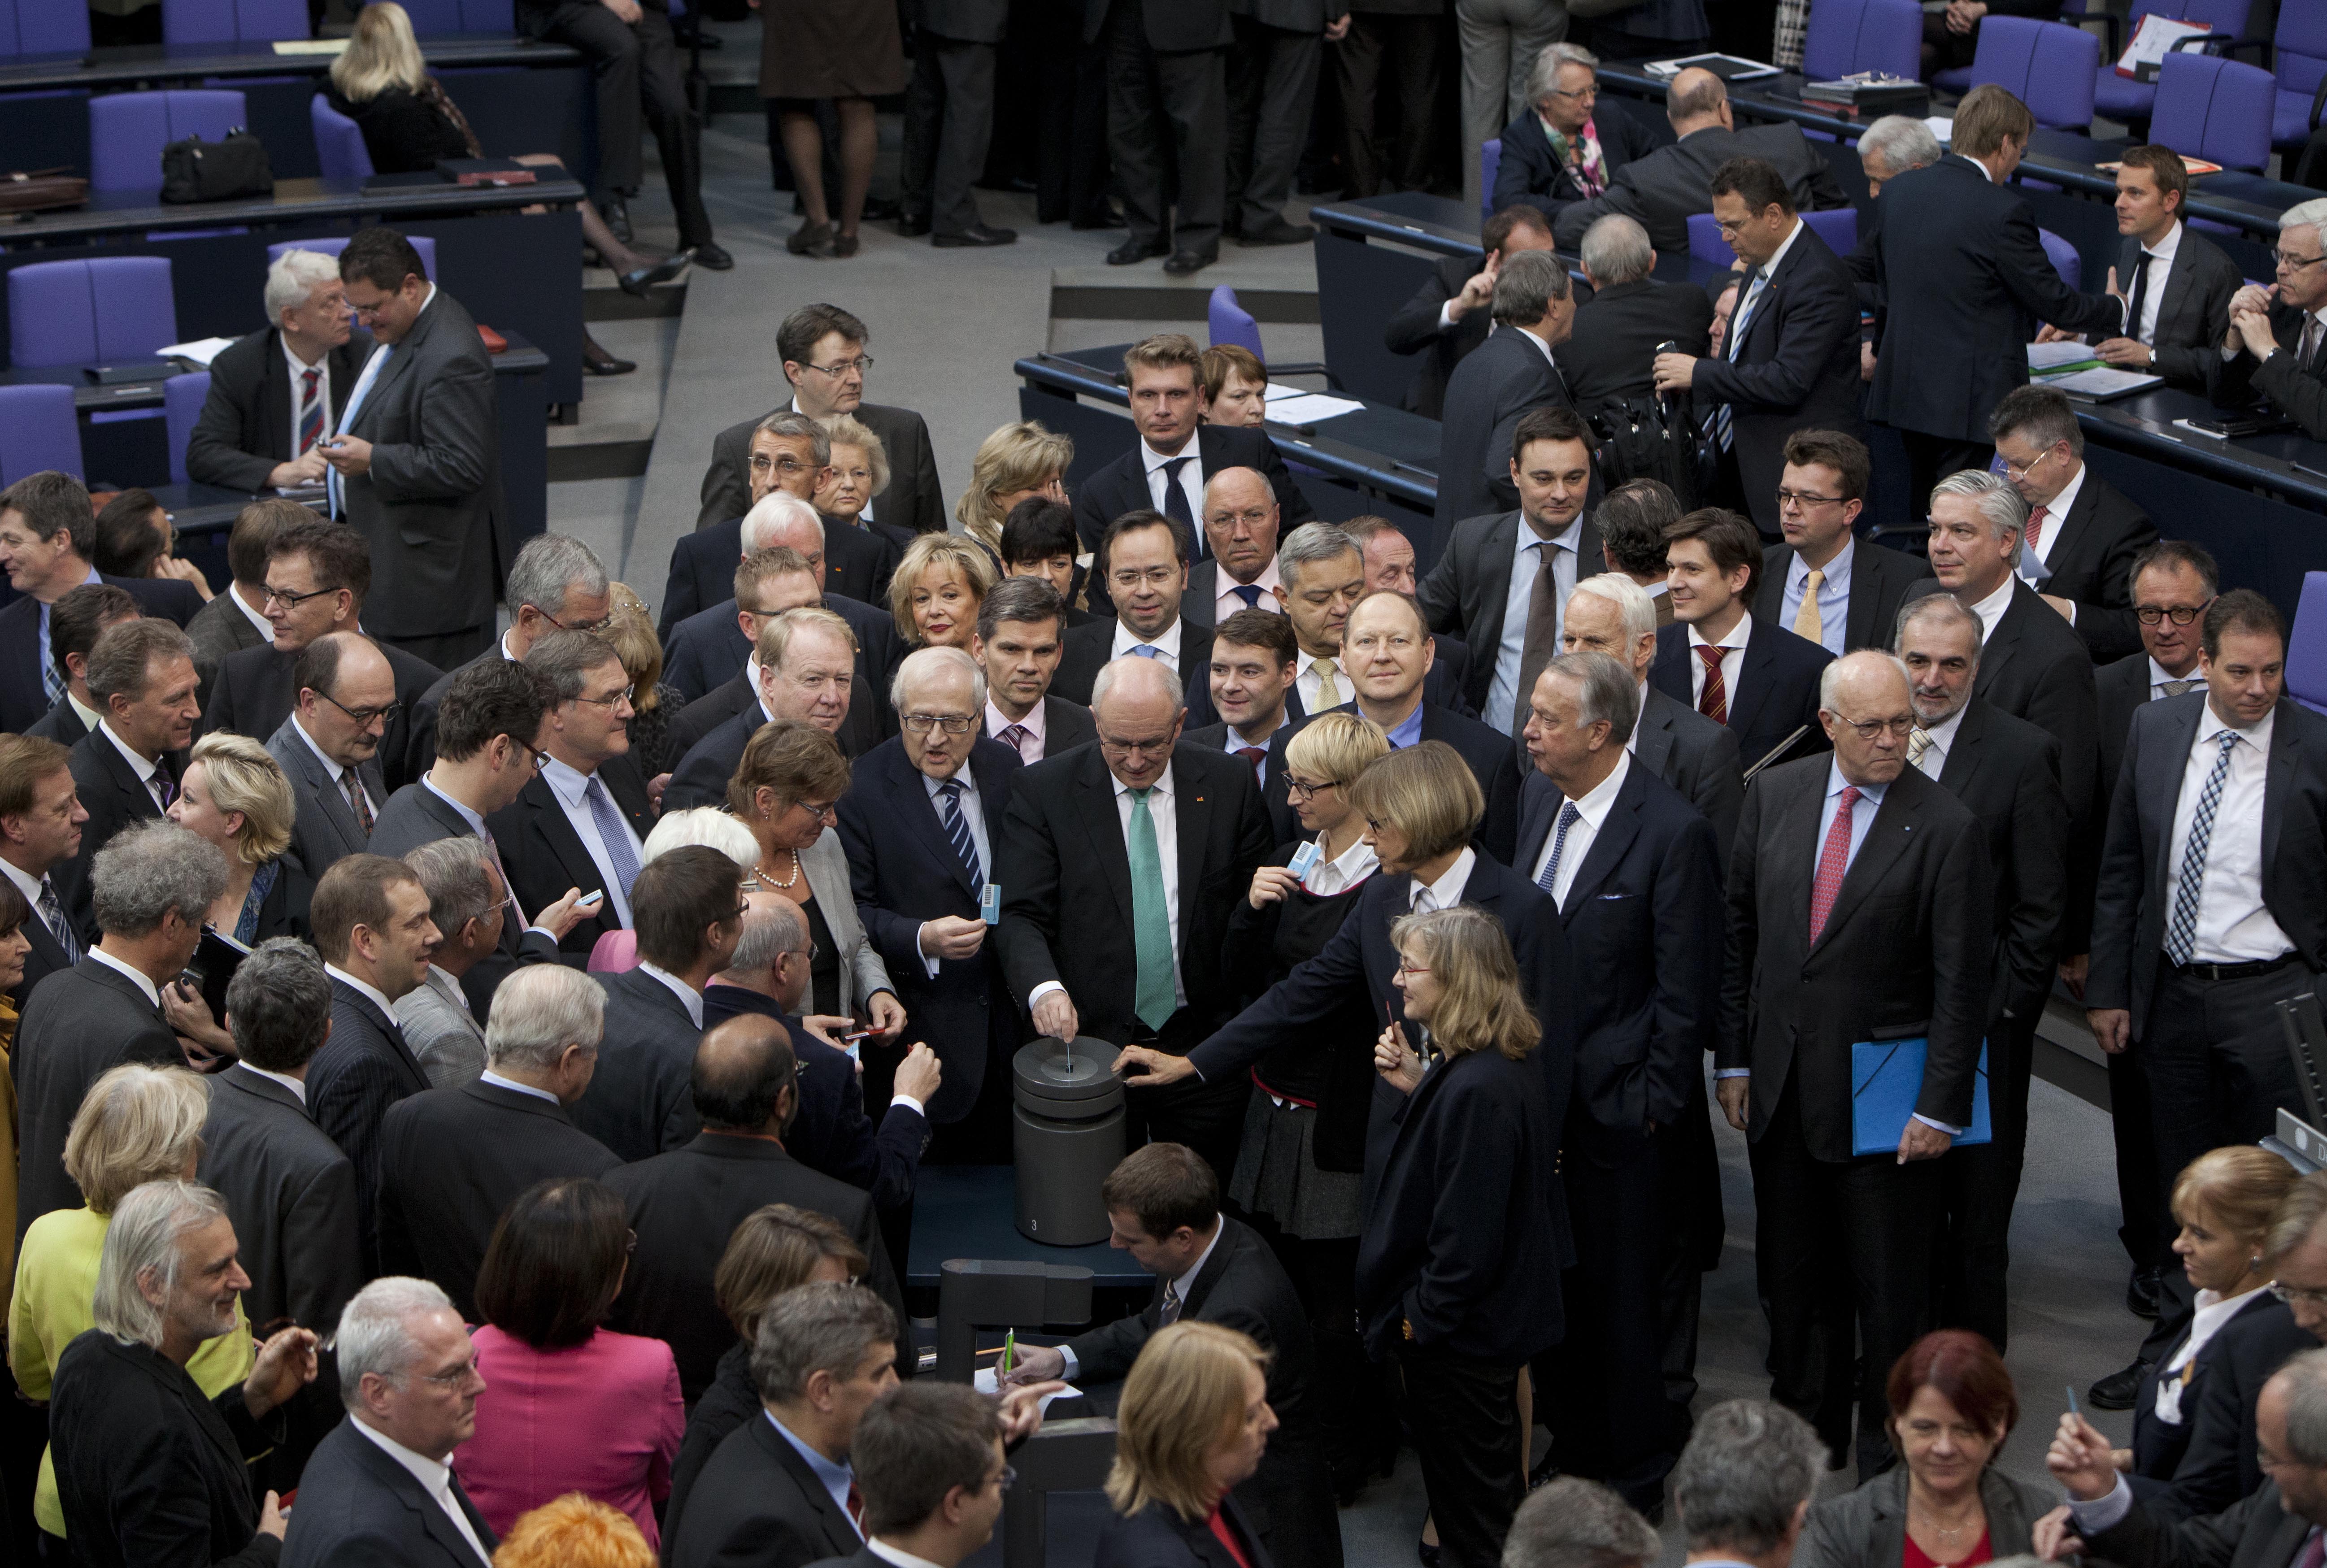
(856, 475)
(937, 588)
(1193, 1421)
(1017, 462)
(654, 702)
(136, 1124)
(237, 796)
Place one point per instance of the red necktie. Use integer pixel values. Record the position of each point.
(2035, 529)
(855, 1506)
(1713, 703)
(1833, 861)
(1255, 755)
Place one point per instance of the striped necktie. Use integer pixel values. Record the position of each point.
(53, 915)
(957, 826)
(310, 409)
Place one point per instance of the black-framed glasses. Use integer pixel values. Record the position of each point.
(362, 716)
(2281, 259)
(2179, 614)
(611, 699)
(1869, 729)
(1304, 791)
(288, 599)
(922, 723)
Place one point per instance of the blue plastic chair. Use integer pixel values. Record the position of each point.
(2306, 646)
(1491, 163)
(1839, 226)
(2121, 97)
(422, 243)
(2298, 53)
(129, 130)
(1849, 36)
(38, 431)
(340, 149)
(42, 27)
(181, 405)
(2064, 258)
(2046, 65)
(2214, 108)
(89, 310)
(233, 21)
(1230, 322)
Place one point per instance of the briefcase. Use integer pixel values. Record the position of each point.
(194, 170)
(41, 191)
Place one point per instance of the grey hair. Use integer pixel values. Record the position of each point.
(824, 1327)
(1526, 286)
(1635, 602)
(1543, 76)
(451, 872)
(296, 275)
(1902, 142)
(1606, 689)
(793, 425)
(549, 571)
(279, 1004)
(2311, 214)
(1999, 503)
(771, 929)
(567, 659)
(1748, 1469)
(2306, 1405)
(1115, 671)
(929, 661)
(1574, 1523)
(706, 825)
(121, 662)
(1830, 679)
(539, 1010)
(1311, 542)
(1945, 607)
(770, 515)
(144, 1235)
(1616, 249)
(374, 1333)
(145, 872)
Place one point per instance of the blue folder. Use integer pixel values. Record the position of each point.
(1886, 1079)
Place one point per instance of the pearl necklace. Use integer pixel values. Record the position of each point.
(786, 885)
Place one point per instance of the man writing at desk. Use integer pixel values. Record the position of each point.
(2273, 348)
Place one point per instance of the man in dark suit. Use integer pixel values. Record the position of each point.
(1663, 188)
(686, 1201)
(141, 676)
(1726, 663)
(75, 623)
(1558, 153)
(1822, 583)
(1965, 283)
(1452, 311)
(1610, 356)
(1089, 938)
(928, 1459)
(275, 393)
(318, 575)
(1508, 376)
(2006, 772)
(2274, 344)
(105, 1011)
(329, 747)
(2178, 284)
(452, 1160)
(1242, 528)
(1272, 88)
(1019, 638)
(582, 820)
(41, 823)
(415, 457)
(1636, 875)
(1167, 109)
(920, 822)
(1632, 519)
(789, 453)
(1163, 1204)
(2082, 531)
(1389, 563)
(408, 1375)
(949, 122)
(236, 619)
(1254, 658)
(48, 533)
(1858, 911)
(825, 360)
(1143, 559)
(806, 667)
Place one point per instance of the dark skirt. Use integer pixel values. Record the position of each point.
(828, 49)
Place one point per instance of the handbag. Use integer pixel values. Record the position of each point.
(41, 191)
(194, 170)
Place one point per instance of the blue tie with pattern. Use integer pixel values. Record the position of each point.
(957, 826)
(620, 858)
(1567, 819)
(2181, 932)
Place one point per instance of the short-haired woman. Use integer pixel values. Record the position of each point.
(654, 702)
(1193, 1421)
(1018, 463)
(574, 1532)
(136, 1124)
(857, 474)
(1236, 386)
(1946, 1505)
(937, 588)
(568, 1405)
(236, 795)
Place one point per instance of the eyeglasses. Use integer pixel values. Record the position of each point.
(2180, 614)
(1902, 726)
(1304, 791)
(611, 699)
(1787, 500)
(951, 724)
(594, 628)
(288, 600)
(632, 1246)
(1584, 93)
(1405, 968)
(1145, 748)
(1008, 1477)
(364, 717)
(1155, 577)
(820, 811)
(2291, 1294)
(458, 1377)
(2281, 259)
(861, 363)
(2023, 469)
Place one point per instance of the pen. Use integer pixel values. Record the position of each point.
(1009, 1350)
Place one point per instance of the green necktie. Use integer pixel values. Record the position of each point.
(1151, 923)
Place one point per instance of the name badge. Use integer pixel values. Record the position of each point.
(1304, 860)
(989, 904)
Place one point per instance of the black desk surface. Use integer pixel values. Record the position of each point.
(133, 65)
(970, 1212)
(2292, 465)
(519, 359)
(294, 201)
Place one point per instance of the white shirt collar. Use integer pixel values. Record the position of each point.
(567, 782)
(1447, 890)
(966, 779)
(1739, 635)
(1990, 608)
(1223, 584)
(330, 767)
(2058, 507)
(896, 1555)
(435, 1477)
(144, 770)
(688, 996)
(1984, 171)
(489, 1077)
(88, 716)
(2210, 725)
(1350, 867)
(299, 366)
(1203, 1258)
(2164, 249)
(1125, 640)
(266, 627)
(1778, 257)
(144, 981)
(1163, 785)
(26, 883)
(363, 988)
(298, 1086)
(1943, 733)
(1150, 460)
(1594, 804)
(2159, 675)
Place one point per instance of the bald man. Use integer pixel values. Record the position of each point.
(1239, 570)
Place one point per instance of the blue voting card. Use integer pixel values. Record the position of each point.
(1886, 1078)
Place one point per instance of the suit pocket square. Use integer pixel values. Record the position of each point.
(1886, 1079)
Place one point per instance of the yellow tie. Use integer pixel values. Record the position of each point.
(1328, 691)
(1807, 620)
(1918, 746)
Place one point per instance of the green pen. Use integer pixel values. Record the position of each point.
(1009, 1350)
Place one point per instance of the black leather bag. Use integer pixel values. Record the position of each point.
(194, 170)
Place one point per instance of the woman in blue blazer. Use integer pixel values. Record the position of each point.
(1193, 1421)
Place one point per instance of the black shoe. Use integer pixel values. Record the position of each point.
(1278, 231)
(881, 208)
(976, 234)
(2119, 1390)
(2141, 1292)
(1428, 1553)
(1186, 262)
(913, 227)
(709, 255)
(602, 363)
(636, 284)
(617, 215)
(1132, 250)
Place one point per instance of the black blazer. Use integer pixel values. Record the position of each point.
(357, 1505)
(2007, 772)
(1966, 283)
(1609, 356)
(2207, 1462)
(1499, 382)
(2130, 908)
(903, 871)
(1777, 687)
(2092, 565)
(361, 1070)
(544, 857)
(1643, 920)
(2257, 1531)
(149, 1469)
(685, 1205)
(2298, 390)
(292, 1194)
(218, 629)
(45, 958)
(1528, 173)
(731, 1400)
(325, 831)
(1084, 651)
(1065, 884)
(115, 798)
(450, 1163)
(81, 1024)
(2120, 690)
(1880, 577)
(712, 660)
(1414, 330)
(415, 815)
(1697, 756)
(913, 500)
(757, 1502)
(2194, 316)
(255, 694)
(1795, 367)
(1158, 1538)
(857, 566)
(1122, 487)
(403, 132)
(1494, 759)
(61, 724)
(640, 1102)
(1905, 952)
(244, 429)
(22, 699)
(1466, 589)
(1666, 187)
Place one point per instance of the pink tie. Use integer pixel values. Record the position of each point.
(1833, 861)
(2035, 527)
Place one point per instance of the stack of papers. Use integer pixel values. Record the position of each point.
(1942, 127)
(984, 1381)
(2057, 356)
(201, 351)
(2106, 381)
(1291, 406)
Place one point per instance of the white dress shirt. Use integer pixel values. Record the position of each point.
(1343, 872)
(1743, 316)
(1733, 661)
(489, 1077)
(88, 716)
(1503, 694)
(2233, 926)
(476, 823)
(363, 988)
(1990, 608)
(1035, 724)
(147, 773)
(298, 1086)
(1833, 596)
(1447, 890)
(434, 1478)
(1159, 809)
(2152, 294)
(266, 627)
(568, 785)
(1592, 809)
(688, 996)
(144, 981)
(2031, 566)
(1167, 644)
(2211, 1311)
(896, 1554)
(299, 368)
(1306, 684)
(1943, 741)
(1226, 603)
(1192, 482)
(340, 775)
(973, 811)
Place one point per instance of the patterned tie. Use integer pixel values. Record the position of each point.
(1170, 1310)
(1151, 922)
(620, 858)
(1918, 746)
(358, 799)
(1542, 638)
(53, 915)
(1175, 502)
(1833, 861)
(2035, 530)
(311, 410)
(1329, 690)
(2310, 350)
(52, 680)
(1714, 701)
(1724, 429)
(2181, 931)
(1810, 621)
(2174, 688)
(1015, 737)
(957, 826)
(1248, 592)
(1568, 817)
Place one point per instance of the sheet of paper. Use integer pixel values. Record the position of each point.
(986, 1382)
(2152, 39)
(310, 45)
(2053, 356)
(201, 351)
(2107, 382)
(1943, 126)
(1310, 408)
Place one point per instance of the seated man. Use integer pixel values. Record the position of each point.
(1610, 354)
(2272, 348)
(1452, 311)
(275, 392)
(2178, 284)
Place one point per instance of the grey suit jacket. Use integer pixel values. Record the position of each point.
(292, 1195)
(913, 500)
(1662, 189)
(326, 831)
(1868, 1529)
(1465, 592)
(1496, 383)
(2194, 315)
(862, 972)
